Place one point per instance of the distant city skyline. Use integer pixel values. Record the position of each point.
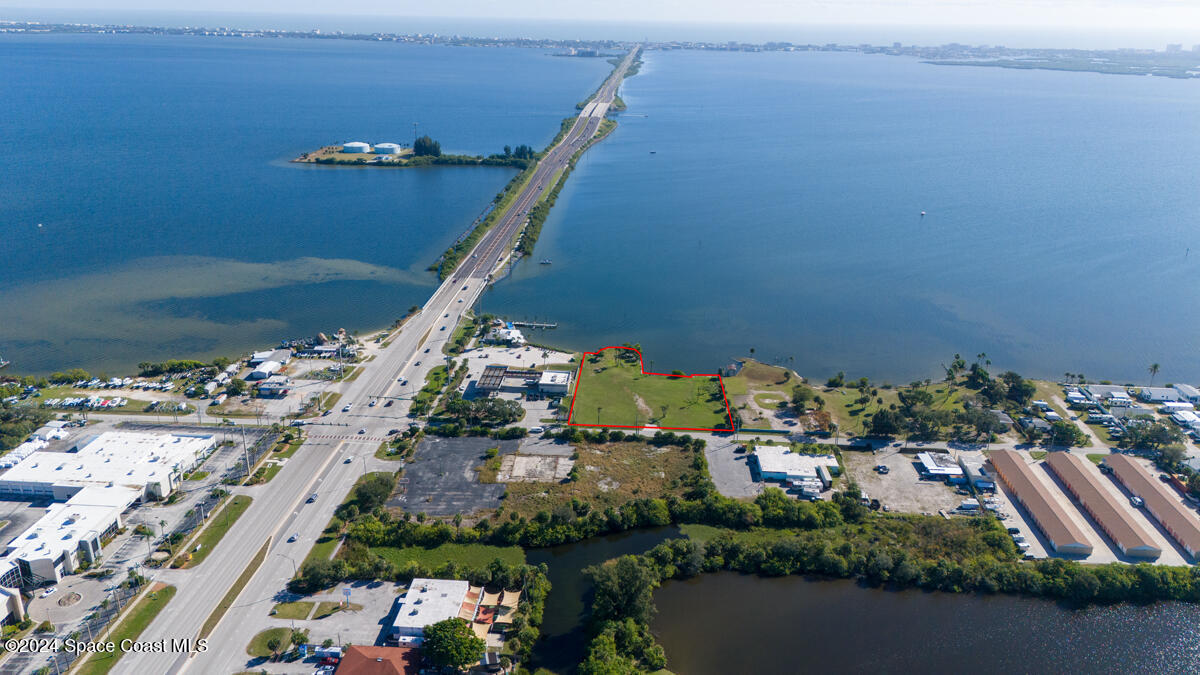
(1133, 15)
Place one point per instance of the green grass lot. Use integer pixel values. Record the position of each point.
(284, 451)
(759, 377)
(327, 609)
(469, 555)
(849, 415)
(627, 397)
(1097, 457)
(1046, 391)
(220, 523)
(258, 643)
(129, 627)
(293, 610)
(700, 533)
(1038, 454)
(197, 475)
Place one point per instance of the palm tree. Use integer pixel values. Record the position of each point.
(1154, 368)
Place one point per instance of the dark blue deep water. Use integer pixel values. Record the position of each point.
(780, 211)
(172, 224)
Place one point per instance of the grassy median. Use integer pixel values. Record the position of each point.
(219, 523)
(129, 627)
(231, 595)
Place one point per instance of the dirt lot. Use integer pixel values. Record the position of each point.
(901, 489)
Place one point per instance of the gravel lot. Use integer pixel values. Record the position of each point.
(901, 489)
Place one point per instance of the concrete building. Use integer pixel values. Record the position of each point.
(507, 336)
(1110, 394)
(554, 382)
(152, 464)
(977, 474)
(1178, 520)
(1159, 394)
(356, 146)
(429, 601)
(1082, 479)
(67, 534)
(275, 386)
(780, 463)
(1064, 535)
(387, 149)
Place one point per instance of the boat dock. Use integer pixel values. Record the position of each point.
(534, 324)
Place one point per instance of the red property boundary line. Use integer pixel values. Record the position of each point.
(642, 368)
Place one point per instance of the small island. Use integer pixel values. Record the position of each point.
(425, 151)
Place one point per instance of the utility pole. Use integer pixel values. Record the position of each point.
(245, 453)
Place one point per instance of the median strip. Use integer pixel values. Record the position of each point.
(210, 624)
(129, 627)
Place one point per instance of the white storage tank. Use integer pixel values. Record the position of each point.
(387, 149)
(356, 146)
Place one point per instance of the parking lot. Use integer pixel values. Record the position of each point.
(442, 480)
(729, 469)
(901, 488)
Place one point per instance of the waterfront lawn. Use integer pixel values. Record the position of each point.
(293, 610)
(129, 627)
(759, 378)
(607, 475)
(473, 556)
(624, 396)
(219, 524)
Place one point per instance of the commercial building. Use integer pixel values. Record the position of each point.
(1064, 535)
(502, 378)
(368, 660)
(275, 385)
(554, 382)
(1178, 520)
(387, 149)
(152, 464)
(1082, 479)
(977, 474)
(781, 464)
(356, 146)
(506, 335)
(429, 601)
(940, 466)
(66, 535)
(279, 355)
(264, 370)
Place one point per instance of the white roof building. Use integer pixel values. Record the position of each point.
(264, 370)
(780, 463)
(356, 146)
(1159, 394)
(555, 381)
(429, 601)
(387, 148)
(67, 533)
(148, 463)
(939, 465)
(1188, 393)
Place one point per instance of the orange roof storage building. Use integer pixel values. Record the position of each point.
(1174, 517)
(1064, 535)
(1082, 478)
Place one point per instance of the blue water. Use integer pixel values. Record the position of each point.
(171, 224)
(780, 212)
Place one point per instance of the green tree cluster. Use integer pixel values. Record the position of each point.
(427, 147)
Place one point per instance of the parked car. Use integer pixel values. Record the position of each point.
(388, 404)
(536, 430)
(49, 591)
(347, 460)
(882, 468)
(374, 402)
(362, 430)
(347, 407)
(1136, 502)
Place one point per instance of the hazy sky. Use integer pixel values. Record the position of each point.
(1061, 14)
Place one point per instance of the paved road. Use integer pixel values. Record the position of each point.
(279, 509)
